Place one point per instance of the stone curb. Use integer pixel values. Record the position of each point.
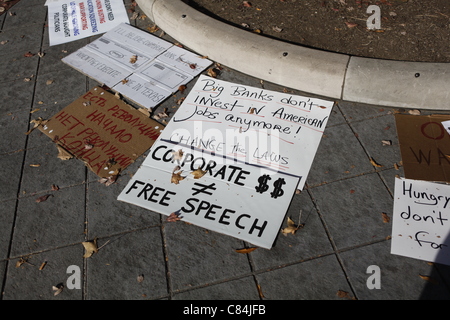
(415, 85)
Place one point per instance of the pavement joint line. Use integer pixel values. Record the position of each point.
(330, 75)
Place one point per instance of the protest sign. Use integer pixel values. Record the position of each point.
(231, 159)
(425, 147)
(144, 68)
(103, 131)
(421, 225)
(70, 20)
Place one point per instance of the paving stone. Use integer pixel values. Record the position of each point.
(32, 16)
(106, 215)
(42, 168)
(112, 272)
(338, 156)
(318, 279)
(19, 68)
(309, 241)
(10, 174)
(399, 276)
(16, 96)
(20, 41)
(13, 125)
(56, 222)
(355, 111)
(7, 218)
(198, 256)
(27, 282)
(372, 132)
(240, 289)
(353, 214)
(49, 95)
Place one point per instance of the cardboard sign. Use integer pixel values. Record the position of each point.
(70, 20)
(103, 131)
(421, 220)
(144, 68)
(425, 147)
(231, 159)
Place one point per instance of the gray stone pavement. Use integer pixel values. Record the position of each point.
(342, 206)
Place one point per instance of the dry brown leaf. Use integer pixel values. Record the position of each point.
(178, 155)
(58, 289)
(133, 58)
(351, 24)
(245, 250)
(291, 228)
(182, 88)
(374, 163)
(90, 247)
(386, 218)
(176, 177)
(429, 279)
(198, 173)
(63, 154)
(174, 216)
(212, 73)
(43, 198)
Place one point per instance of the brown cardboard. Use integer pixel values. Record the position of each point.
(103, 131)
(425, 146)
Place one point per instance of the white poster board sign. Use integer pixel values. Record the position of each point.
(70, 20)
(231, 159)
(144, 68)
(421, 220)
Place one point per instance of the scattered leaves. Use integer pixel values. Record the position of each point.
(198, 173)
(43, 198)
(90, 248)
(246, 250)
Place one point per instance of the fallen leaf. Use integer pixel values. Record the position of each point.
(182, 88)
(63, 154)
(90, 247)
(245, 250)
(176, 177)
(58, 289)
(43, 198)
(212, 73)
(55, 187)
(292, 227)
(374, 163)
(43, 265)
(49, 82)
(133, 58)
(198, 173)
(174, 216)
(351, 24)
(109, 181)
(414, 112)
(386, 218)
(429, 279)
(20, 262)
(28, 54)
(178, 155)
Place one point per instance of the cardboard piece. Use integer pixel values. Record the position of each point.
(70, 20)
(103, 131)
(252, 147)
(425, 147)
(144, 68)
(421, 220)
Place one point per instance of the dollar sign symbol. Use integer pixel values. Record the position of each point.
(263, 183)
(277, 191)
